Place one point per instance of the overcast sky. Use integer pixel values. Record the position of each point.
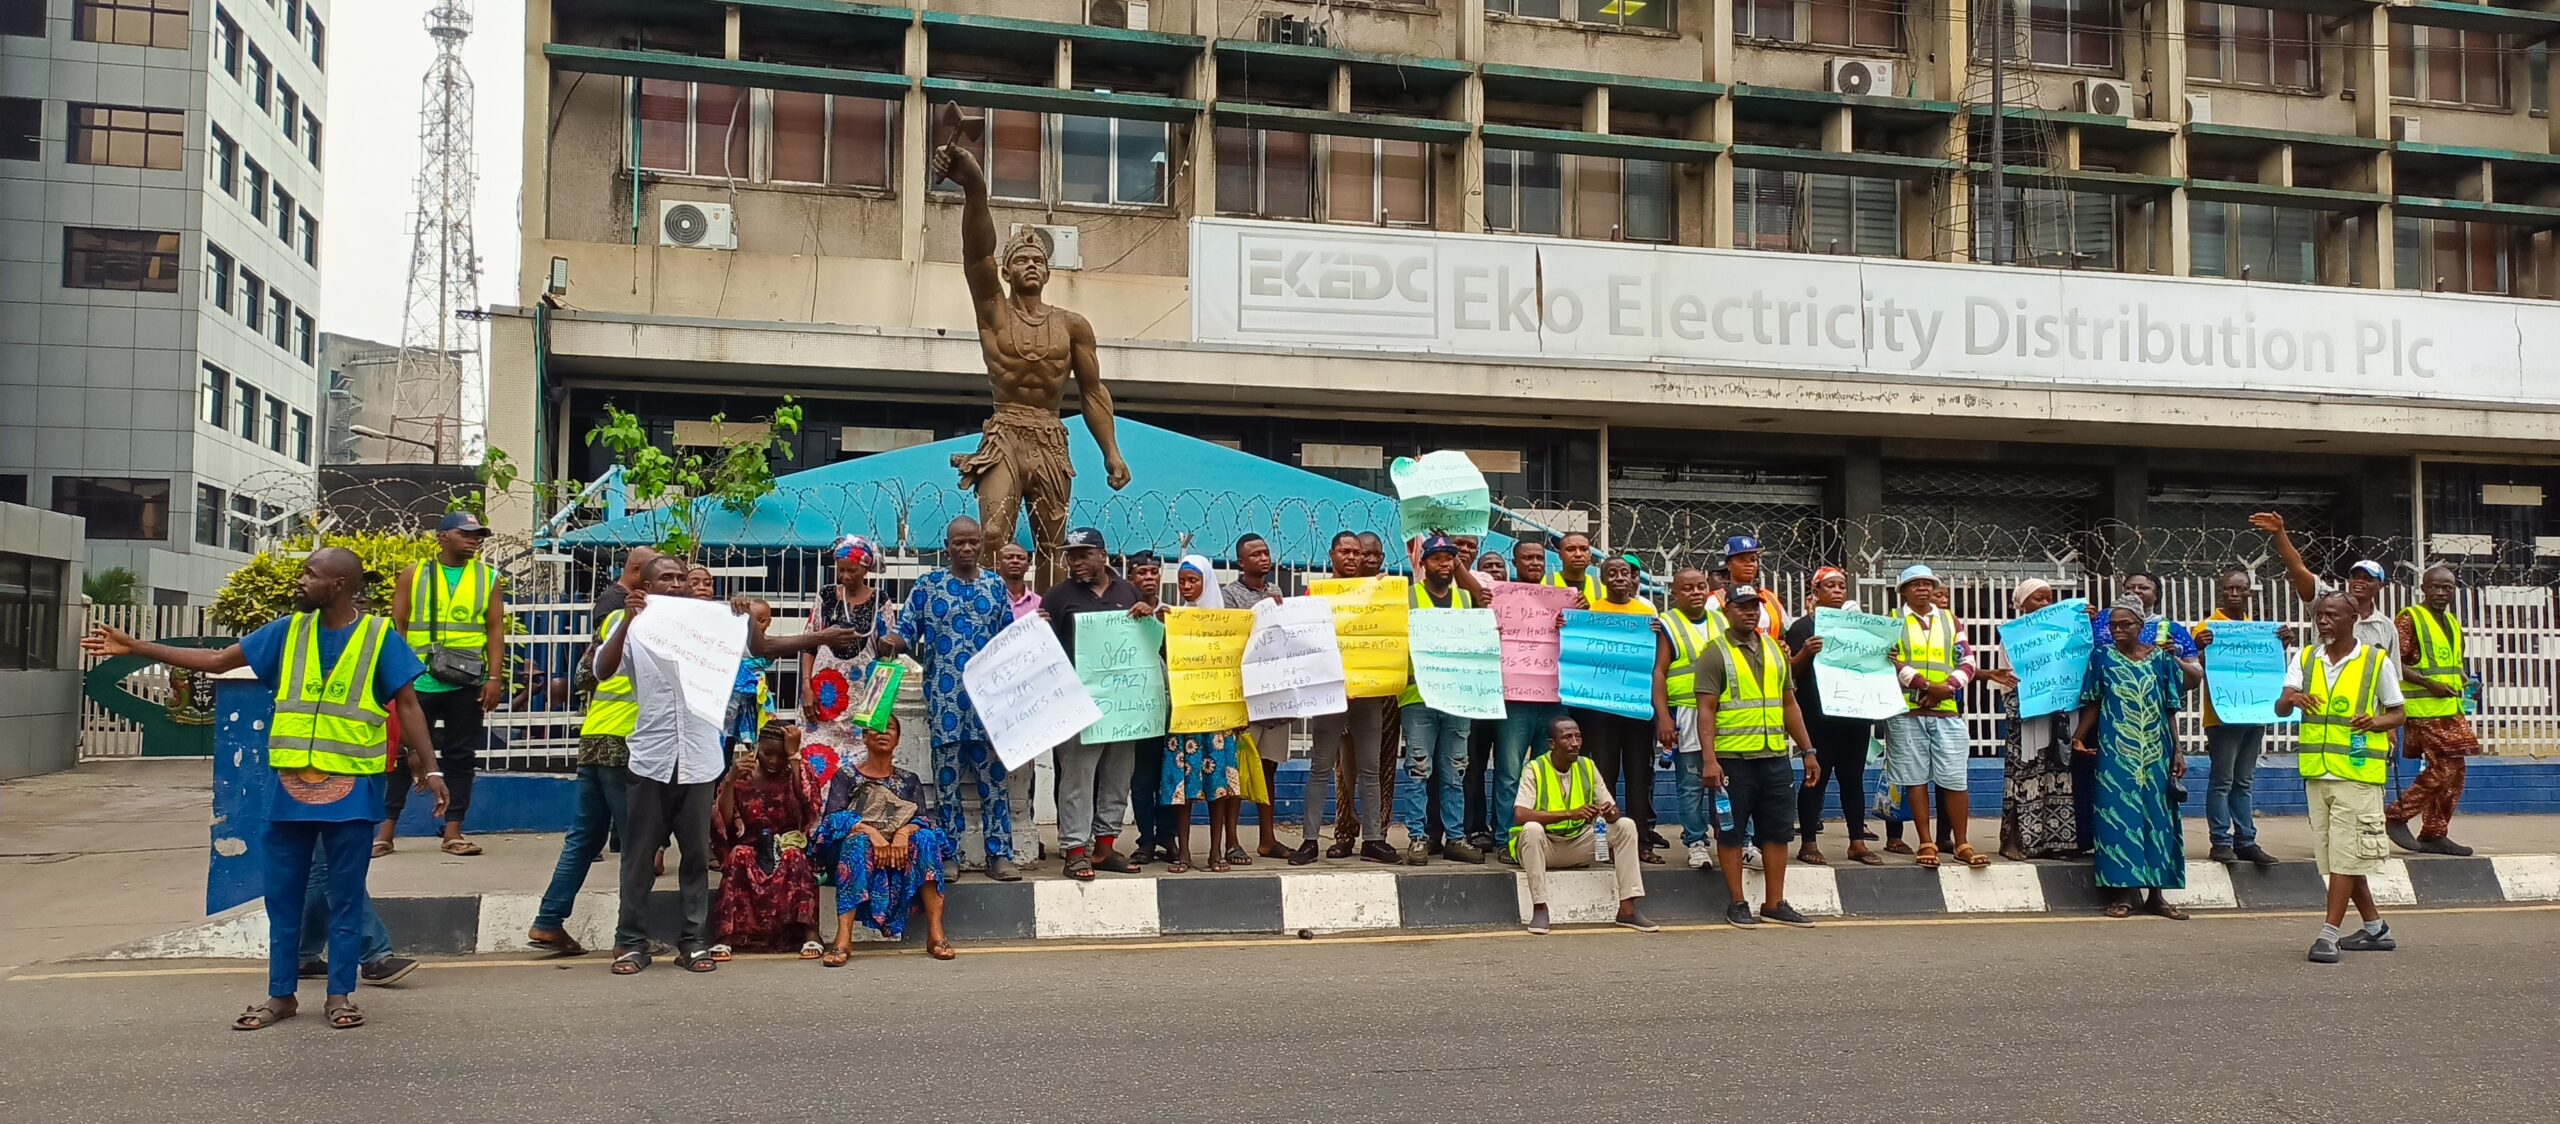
(378, 55)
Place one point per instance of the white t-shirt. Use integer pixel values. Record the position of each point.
(2389, 690)
(670, 743)
(1527, 795)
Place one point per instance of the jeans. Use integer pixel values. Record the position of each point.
(2234, 753)
(1366, 721)
(1521, 735)
(315, 918)
(291, 847)
(603, 809)
(1435, 752)
(1146, 786)
(658, 809)
(457, 729)
(1093, 790)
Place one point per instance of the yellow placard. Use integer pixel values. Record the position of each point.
(1369, 624)
(1204, 668)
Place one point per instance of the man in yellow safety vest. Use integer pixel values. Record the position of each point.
(2349, 696)
(338, 675)
(2432, 675)
(1560, 800)
(1926, 745)
(454, 614)
(1577, 573)
(1749, 723)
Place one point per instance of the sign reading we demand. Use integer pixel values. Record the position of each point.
(1280, 283)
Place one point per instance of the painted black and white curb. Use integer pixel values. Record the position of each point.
(1438, 897)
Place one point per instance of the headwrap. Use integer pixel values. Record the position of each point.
(2027, 587)
(2128, 604)
(856, 547)
(1829, 572)
(1211, 597)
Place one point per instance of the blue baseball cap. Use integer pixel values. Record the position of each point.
(1438, 544)
(1915, 573)
(1741, 544)
(2368, 568)
(464, 522)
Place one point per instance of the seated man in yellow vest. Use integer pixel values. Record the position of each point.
(1560, 798)
(1747, 731)
(2349, 697)
(337, 674)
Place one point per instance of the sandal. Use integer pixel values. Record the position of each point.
(1811, 856)
(811, 950)
(1177, 866)
(462, 847)
(1220, 866)
(1080, 867)
(836, 957)
(1968, 856)
(1268, 851)
(557, 942)
(2013, 853)
(1865, 857)
(700, 960)
(343, 1014)
(2162, 908)
(262, 1016)
(1898, 847)
(631, 962)
(720, 953)
(2119, 910)
(1236, 856)
(381, 847)
(941, 950)
(1649, 856)
(1926, 856)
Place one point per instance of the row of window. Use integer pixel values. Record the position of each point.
(243, 178)
(268, 90)
(261, 418)
(264, 308)
(230, 521)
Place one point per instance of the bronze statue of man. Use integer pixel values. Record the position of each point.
(1030, 349)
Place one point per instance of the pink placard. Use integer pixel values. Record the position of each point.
(1527, 616)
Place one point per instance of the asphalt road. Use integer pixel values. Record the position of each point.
(2216, 1020)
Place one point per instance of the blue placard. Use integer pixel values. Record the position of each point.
(2244, 670)
(1605, 663)
(2049, 650)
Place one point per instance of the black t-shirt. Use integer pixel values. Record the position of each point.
(1070, 597)
(1808, 696)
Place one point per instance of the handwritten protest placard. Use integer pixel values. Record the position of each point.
(1442, 492)
(1369, 627)
(1457, 661)
(1526, 616)
(1292, 665)
(1026, 692)
(1854, 670)
(1606, 663)
(2244, 671)
(2049, 651)
(696, 645)
(1120, 659)
(1204, 668)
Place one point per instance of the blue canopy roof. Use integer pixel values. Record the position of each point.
(1183, 493)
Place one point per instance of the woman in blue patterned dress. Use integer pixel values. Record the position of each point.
(1201, 767)
(887, 853)
(2128, 716)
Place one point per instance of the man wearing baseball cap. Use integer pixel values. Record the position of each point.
(454, 615)
(1742, 567)
(1093, 780)
(2365, 580)
(1746, 721)
(1435, 742)
(1926, 745)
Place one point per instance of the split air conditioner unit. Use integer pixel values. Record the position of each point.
(1059, 240)
(2106, 97)
(2200, 109)
(697, 226)
(1130, 14)
(1857, 76)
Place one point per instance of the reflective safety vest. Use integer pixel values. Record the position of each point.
(1751, 714)
(1559, 792)
(456, 621)
(1688, 640)
(1458, 599)
(2329, 748)
(615, 709)
(1592, 591)
(326, 716)
(1930, 649)
(2438, 659)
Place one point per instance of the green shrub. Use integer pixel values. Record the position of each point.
(263, 590)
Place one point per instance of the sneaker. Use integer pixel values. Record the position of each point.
(1785, 914)
(2254, 853)
(1751, 857)
(2324, 951)
(2400, 837)
(1538, 923)
(2222, 853)
(1377, 851)
(1739, 916)
(312, 970)
(1461, 851)
(1636, 920)
(2442, 845)
(1341, 849)
(1701, 856)
(1305, 855)
(1417, 853)
(2361, 941)
(387, 971)
(1003, 870)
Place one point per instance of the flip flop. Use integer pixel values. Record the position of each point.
(1220, 866)
(463, 847)
(2164, 909)
(1898, 847)
(941, 950)
(381, 847)
(261, 1016)
(2119, 910)
(1274, 851)
(1865, 857)
(1811, 857)
(558, 943)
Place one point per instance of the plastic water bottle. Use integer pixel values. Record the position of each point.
(1724, 810)
(1600, 846)
(2471, 694)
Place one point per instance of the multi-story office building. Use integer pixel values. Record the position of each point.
(160, 209)
(375, 415)
(2044, 264)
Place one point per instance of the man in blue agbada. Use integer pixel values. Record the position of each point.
(337, 674)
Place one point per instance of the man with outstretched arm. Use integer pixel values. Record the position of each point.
(2348, 694)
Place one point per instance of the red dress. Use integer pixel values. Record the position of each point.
(768, 898)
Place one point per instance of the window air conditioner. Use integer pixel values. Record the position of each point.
(1292, 30)
(696, 226)
(2106, 98)
(1857, 76)
(2405, 129)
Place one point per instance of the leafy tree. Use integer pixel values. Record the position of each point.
(111, 586)
(263, 589)
(732, 476)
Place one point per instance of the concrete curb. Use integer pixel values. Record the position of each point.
(1341, 898)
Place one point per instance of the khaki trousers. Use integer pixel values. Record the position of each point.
(1541, 852)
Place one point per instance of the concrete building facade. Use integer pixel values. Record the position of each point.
(421, 414)
(160, 210)
(726, 202)
(40, 626)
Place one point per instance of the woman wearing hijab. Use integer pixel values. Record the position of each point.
(2036, 817)
(2128, 722)
(1201, 766)
(831, 676)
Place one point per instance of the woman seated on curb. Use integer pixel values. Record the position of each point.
(768, 898)
(888, 855)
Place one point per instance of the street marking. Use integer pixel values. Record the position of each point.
(600, 963)
(2527, 878)
(2007, 888)
(1340, 901)
(1067, 908)
(2390, 885)
(2208, 887)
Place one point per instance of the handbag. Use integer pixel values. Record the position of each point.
(457, 667)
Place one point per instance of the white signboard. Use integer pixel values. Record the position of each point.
(1026, 692)
(697, 645)
(1314, 286)
(1292, 664)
